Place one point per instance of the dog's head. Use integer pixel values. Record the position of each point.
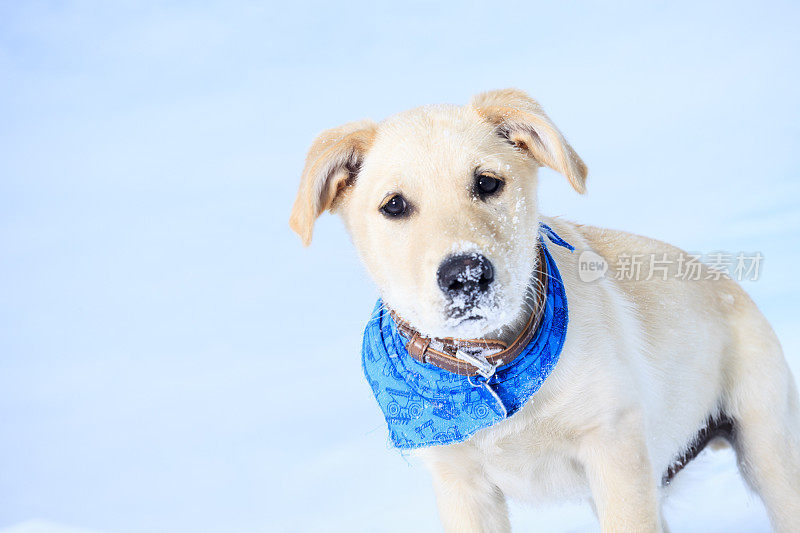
(441, 205)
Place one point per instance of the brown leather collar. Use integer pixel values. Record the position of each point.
(467, 357)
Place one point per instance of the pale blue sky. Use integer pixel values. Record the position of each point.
(154, 302)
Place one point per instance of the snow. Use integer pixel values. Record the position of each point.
(173, 359)
(42, 526)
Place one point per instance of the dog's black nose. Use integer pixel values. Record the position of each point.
(467, 274)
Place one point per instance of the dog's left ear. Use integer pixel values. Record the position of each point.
(520, 119)
(333, 161)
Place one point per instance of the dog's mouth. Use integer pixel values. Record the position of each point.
(472, 327)
(486, 316)
(474, 320)
(467, 321)
(457, 315)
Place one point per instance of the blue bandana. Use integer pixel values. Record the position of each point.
(427, 406)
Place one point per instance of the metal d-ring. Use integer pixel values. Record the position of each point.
(485, 368)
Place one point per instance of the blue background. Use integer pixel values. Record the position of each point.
(172, 359)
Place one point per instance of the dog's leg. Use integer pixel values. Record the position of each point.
(766, 411)
(467, 501)
(624, 487)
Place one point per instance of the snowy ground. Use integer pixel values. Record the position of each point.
(171, 359)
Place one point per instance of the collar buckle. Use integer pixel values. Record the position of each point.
(484, 367)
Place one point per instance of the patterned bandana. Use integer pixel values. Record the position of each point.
(427, 406)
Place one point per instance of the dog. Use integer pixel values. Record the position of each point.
(651, 367)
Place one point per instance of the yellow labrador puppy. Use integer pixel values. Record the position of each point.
(653, 366)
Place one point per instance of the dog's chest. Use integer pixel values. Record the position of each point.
(531, 465)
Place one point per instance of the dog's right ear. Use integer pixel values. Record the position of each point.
(332, 163)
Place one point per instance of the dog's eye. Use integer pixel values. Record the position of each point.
(395, 206)
(486, 185)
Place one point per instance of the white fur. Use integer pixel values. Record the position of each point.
(644, 362)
